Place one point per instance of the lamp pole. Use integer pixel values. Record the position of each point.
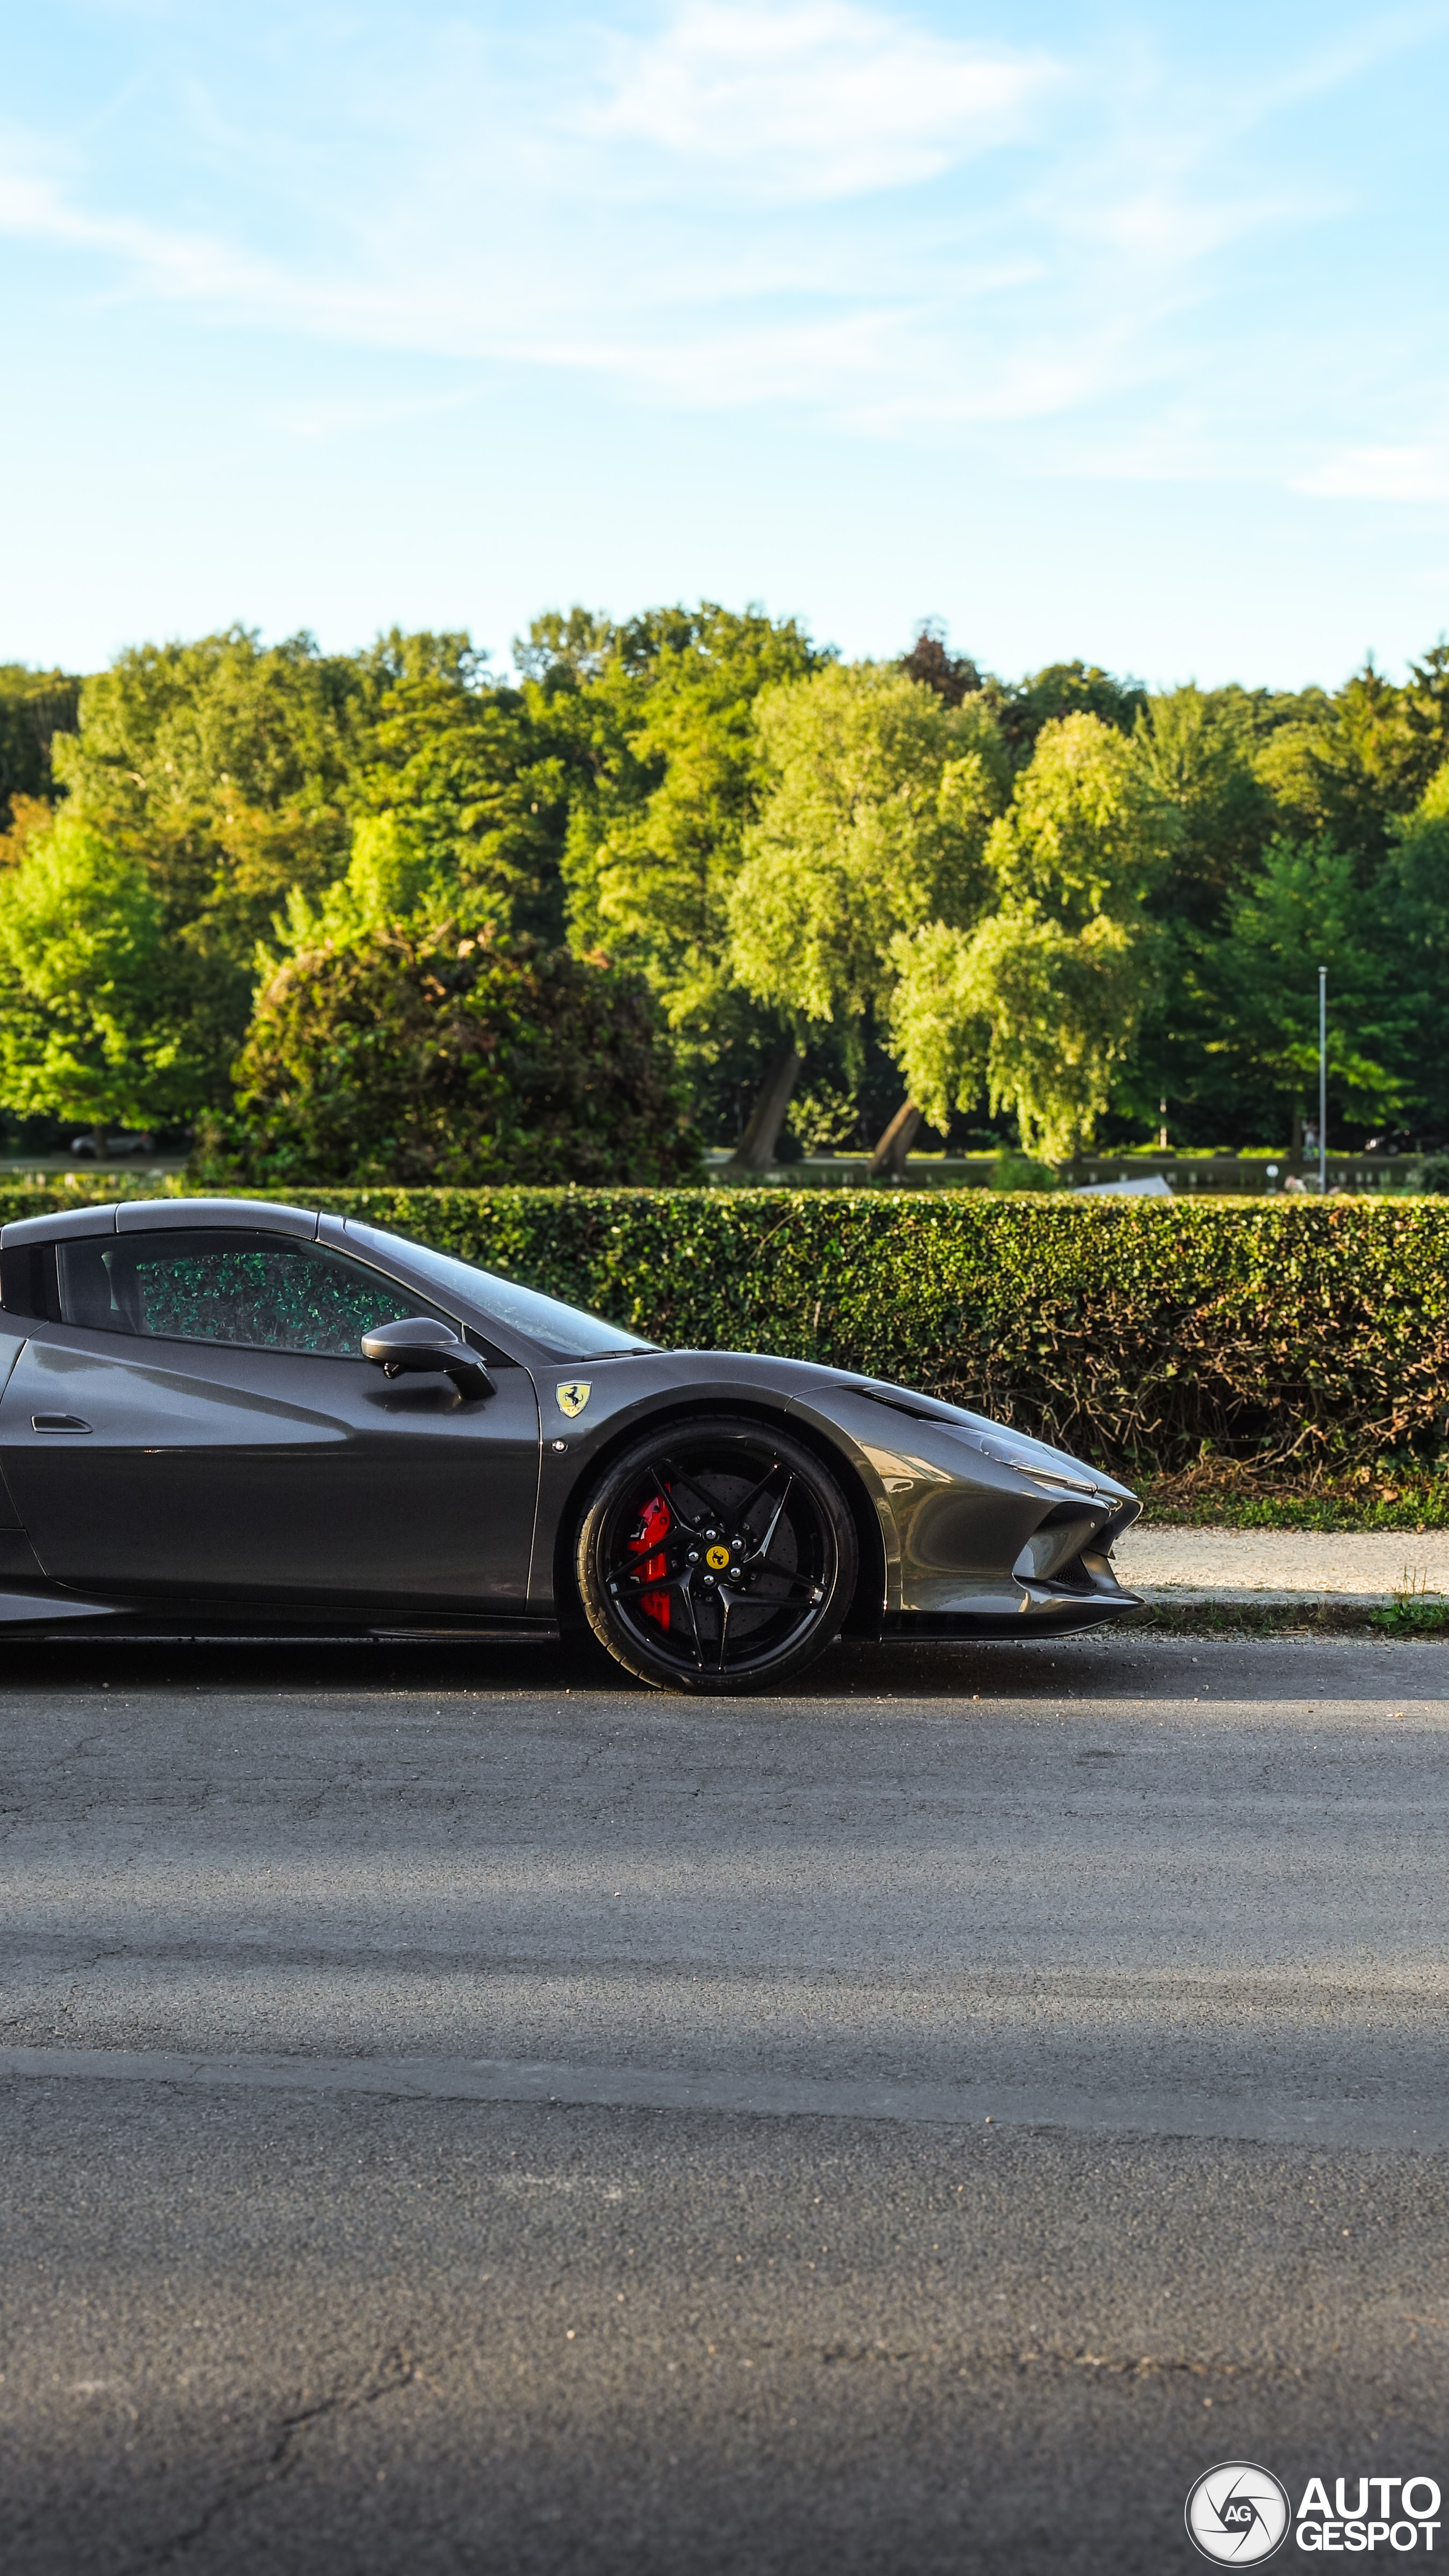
(1323, 1082)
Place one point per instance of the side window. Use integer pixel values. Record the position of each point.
(27, 1282)
(259, 1292)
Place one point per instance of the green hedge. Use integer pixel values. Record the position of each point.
(1312, 1334)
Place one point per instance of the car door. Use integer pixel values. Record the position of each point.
(199, 1423)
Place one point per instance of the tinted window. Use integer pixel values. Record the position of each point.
(260, 1292)
(27, 1282)
(565, 1330)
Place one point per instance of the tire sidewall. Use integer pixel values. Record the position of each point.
(623, 1646)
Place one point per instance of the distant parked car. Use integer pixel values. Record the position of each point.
(87, 1150)
(1398, 1140)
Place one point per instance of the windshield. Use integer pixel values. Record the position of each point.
(565, 1331)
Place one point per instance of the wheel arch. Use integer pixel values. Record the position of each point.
(867, 1608)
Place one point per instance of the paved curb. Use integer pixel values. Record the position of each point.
(1285, 1574)
(1169, 1596)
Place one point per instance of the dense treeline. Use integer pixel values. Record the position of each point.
(692, 879)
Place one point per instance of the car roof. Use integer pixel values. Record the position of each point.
(147, 1216)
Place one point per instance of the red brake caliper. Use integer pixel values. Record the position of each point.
(652, 1527)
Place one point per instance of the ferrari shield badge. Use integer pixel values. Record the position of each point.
(573, 1395)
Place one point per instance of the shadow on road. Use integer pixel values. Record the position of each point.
(1247, 1672)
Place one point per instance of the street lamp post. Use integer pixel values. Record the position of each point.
(1323, 1081)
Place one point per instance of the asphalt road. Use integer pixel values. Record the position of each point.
(464, 2114)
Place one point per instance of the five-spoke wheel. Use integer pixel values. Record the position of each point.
(717, 1555)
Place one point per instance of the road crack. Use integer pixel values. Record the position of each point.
(395, 2371)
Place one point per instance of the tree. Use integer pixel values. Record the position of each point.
(1195, 755)
(1414, 935)
(223, 771)
(1356, 763)
(466, 787)
(1307, 908)
(225, 766)
(1023, 707)
(1195, 752)
(98, 1019)
(30, 818)
(659, 814)
(953, 676)
(652, 880)
(246, 782)
(443, 1054)
(1041, 1000)
(1041, 1015)
(34, 707)
(877, 805)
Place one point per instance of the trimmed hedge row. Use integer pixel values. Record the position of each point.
(1304, 1334)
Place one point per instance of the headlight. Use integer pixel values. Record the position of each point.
(1051, 1478)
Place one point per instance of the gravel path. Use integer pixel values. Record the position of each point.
(1263, 1565)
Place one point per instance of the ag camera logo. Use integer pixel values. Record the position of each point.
(1238, 2514)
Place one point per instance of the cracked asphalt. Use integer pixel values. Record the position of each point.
(461, 2113)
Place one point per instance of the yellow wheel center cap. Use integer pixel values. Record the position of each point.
(717, 1557)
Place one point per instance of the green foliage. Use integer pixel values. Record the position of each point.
(34, 707)
(223, 766)
(1305, 908)
(1337, 865)
(1085, 832)
(1056, 901)
(438, 1054)
(1414, 1610)
(1021, 1172)
(824, 1119)
(655, 849)
(219, 770)
(1405, 1616)
(1194, 755)
(1295, 1334)
(1042, 1000)
(463, 799)
(1417, 1501)
(659, 718)
(1363, 757)
(1021, 708)
(97, 1007)
(878, 803)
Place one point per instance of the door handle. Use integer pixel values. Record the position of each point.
(57, 1422)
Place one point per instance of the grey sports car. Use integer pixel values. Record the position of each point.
(222, 1416)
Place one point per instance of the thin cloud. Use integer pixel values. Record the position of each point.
(818, 204)
(165, 263)
(823, 99)
(1380, 474)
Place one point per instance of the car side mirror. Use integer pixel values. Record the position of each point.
(419, 1345)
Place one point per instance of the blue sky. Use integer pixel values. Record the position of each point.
(1116, 331)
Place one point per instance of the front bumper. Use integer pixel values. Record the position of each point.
(985, 1533)
(1042, 1608)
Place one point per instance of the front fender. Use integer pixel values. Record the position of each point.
(964, 1534)
(954, 1522)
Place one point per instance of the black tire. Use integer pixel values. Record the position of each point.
(777, 1522)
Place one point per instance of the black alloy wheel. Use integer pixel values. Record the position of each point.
(717, 1556)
